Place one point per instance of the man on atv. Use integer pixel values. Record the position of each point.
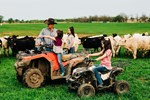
(49, 31)
(105, 56)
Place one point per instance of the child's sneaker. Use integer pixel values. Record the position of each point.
(100, 86)
(62, 74)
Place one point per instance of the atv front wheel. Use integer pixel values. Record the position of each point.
(121, 87)
(33, 78)
(86, 90)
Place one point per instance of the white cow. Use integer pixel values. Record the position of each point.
(115, 44)
(77, 42)
(136, 43)
(5, 46)
(126, 36)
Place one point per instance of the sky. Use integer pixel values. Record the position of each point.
(62, 9)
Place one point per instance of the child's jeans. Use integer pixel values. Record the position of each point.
(59, 56)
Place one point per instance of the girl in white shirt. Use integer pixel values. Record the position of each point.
(70, 40)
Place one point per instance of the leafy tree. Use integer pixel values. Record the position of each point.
(148, 19)
(137, 18)
(105, 19)
(10, 20)
(16, 20)
(22, 21)
(125, 17)
(118, 18)
(1, 18)
(144, 18)
(132, 19)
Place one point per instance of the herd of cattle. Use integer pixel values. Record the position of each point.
(132, 43)
(16, 44)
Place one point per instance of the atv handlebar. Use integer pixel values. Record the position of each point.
(89, 60)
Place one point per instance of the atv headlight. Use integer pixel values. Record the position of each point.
(21, 63)
(77, 75)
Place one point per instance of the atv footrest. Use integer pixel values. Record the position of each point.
(58, 77)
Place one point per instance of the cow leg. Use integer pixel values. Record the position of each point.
(118, 51)
(85, 50)
(13, 53)
(134, 53)
(113, 53)
(127, 52)
(0, 51)
(144, 53)
(7, 50)
(4, 51)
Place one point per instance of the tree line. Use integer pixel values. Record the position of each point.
(90, 19)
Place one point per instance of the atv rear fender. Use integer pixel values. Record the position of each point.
(116, 71)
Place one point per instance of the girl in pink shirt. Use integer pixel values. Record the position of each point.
(105, 57)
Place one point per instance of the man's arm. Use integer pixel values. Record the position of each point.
(50, 37)
(39, 39)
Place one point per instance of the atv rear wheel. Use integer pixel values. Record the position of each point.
(86, 90)
(121, 87)
(33, 78)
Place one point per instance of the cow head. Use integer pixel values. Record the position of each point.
(10, 40)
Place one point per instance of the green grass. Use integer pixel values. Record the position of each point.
(137, 72)
(80, 28)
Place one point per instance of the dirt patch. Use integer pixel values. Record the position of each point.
(83, 35)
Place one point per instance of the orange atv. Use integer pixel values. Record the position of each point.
(34, 68)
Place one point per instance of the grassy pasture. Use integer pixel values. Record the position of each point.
(80, 28)
(137, 71)
(137, 74)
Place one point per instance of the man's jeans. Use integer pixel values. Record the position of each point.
(59, 57)
(97, 75)
(48, 49)
(71, 50)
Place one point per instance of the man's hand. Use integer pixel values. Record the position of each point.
(37, 44)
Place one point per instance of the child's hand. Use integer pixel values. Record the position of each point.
(96, 60)
(87, 56)
(67, 47)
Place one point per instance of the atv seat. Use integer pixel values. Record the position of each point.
(109, 70)
(105, 72)
(67, 57)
